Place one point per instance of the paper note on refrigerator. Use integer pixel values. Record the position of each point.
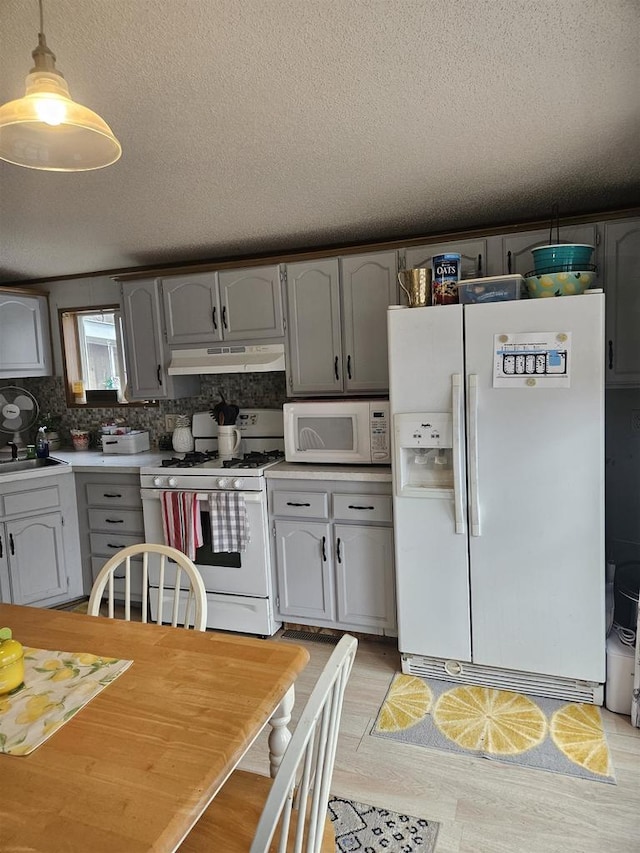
(532, 360)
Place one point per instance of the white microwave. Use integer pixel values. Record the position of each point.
(345, 432)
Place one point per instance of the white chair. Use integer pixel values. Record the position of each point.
(255, 814)
(182, 597)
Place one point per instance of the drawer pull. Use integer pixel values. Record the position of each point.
(117, 547)
(292, 503)
(114, 520)
(110, 495)
(353, 506)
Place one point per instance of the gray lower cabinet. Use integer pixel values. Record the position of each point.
(229, 305)
(337, 309)
(333, 554)
(147, 353)
(39, 547)
(110, 512)
(25, 348)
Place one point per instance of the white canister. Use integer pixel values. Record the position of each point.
(228, 440)
(182, 438)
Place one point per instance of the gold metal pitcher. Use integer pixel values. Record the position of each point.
(416, 283)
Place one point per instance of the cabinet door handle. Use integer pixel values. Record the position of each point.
(293, 503)
(338, 554)
(117, 547)
(111, 495)
(354, 506)
(158, 374)
(610, 355)
(11, 545)
(114, 520)
(509, 262)
(1, 549)
(349, 366)
(215, 321)
(324, 550)
(480, 265)
(335, 368)
(224, 316)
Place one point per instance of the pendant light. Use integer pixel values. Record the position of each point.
(47, 130)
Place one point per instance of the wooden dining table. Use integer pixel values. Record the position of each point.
(137, 765)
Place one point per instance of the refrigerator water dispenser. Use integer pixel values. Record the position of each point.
(424, 455)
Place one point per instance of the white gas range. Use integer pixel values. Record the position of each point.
(239, 584)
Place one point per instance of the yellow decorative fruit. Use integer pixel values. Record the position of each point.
(577, 732)
(64, 674)
(407, 702)
(36, 707)
(484, 719)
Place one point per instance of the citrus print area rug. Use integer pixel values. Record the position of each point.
(531, 731)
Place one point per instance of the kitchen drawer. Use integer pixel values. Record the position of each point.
(224, 612)
(301, 504)
(111, 543)
(99, 494)
(33, 500)
(118, 581)
(117, 520)
(362, 507)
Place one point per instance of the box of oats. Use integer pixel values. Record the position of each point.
(446, 274)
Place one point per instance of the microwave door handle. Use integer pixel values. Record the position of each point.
(458, 494)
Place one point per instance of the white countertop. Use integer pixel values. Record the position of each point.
(91, 461)
(307, 471)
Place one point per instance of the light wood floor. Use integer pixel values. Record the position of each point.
(482, 806)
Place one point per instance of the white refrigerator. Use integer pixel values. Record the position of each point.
(498, 466)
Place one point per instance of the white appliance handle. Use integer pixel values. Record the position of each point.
(473, 455)
(250, 497)
(456, 399)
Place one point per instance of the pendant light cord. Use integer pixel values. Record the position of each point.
(41, 18)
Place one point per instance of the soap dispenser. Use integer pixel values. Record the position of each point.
(42, 445)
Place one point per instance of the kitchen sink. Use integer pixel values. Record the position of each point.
(27, 465)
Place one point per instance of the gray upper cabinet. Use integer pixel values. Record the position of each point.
(622, 288)
(338, 324)
(147, 354)
(516, 248)
(473, 257)
(25, 348)
(315, 347)
(231, 305)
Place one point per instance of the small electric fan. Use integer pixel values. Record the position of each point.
(18, 412)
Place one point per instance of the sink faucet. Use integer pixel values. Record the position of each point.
(14, 449)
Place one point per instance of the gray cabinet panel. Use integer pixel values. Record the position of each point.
(315, 351)
(192, 309)
(622, 287)
(251, 304)
(143, 339)
(35, 577)
(364, 575)
(305, 578)
(25, 348)
(369, 286)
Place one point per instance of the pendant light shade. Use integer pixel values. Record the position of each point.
(47, 130)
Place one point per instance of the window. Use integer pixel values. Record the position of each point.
(94, 362)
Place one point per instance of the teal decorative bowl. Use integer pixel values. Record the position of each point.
(562, 257)
(559, 283)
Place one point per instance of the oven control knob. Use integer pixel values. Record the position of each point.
(237, 483)
(173, 482)
(223, 482)
(158, 481)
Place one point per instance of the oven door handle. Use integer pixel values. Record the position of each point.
(250, 497)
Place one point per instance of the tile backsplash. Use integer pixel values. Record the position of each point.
(247, 390)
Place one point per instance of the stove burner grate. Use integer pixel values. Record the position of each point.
(191, 459)
(255, 459)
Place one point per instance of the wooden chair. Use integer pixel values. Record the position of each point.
(254, 814)
(182, 598)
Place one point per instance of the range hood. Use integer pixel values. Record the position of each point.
(227, 359)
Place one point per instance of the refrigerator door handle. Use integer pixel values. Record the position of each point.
(456, 400)
(473, 455)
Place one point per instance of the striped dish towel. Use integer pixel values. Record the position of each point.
(229, 525)
(181, 521)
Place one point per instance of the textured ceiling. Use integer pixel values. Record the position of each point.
(253, 126)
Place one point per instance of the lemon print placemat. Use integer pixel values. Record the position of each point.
(56, 686)
(534, 731)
